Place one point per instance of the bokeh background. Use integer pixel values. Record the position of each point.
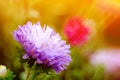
(102, 18)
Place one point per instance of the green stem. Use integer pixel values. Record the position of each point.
(32, 75)
(28, 75)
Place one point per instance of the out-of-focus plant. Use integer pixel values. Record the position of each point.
(76, 31)
(108, 58)
(6, 74)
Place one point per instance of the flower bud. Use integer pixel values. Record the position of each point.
(3, 70)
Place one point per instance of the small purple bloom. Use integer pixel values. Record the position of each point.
(43, 45)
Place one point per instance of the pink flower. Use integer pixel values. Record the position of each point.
(76, 31)
(108, 58)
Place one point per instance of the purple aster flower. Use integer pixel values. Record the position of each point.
(43, 45)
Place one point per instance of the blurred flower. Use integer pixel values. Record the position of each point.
(108, 58)
(6, 74)
(76, 32)
(3, 70)
(43, 45)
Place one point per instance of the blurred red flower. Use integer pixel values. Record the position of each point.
(76, 31)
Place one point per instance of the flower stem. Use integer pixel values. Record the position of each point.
(28, 75)
(32, 75)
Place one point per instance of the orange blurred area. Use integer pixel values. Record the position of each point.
(112, 32)
(109, 6)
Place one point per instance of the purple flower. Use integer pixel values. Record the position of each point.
(109, 58)
(43, 45)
